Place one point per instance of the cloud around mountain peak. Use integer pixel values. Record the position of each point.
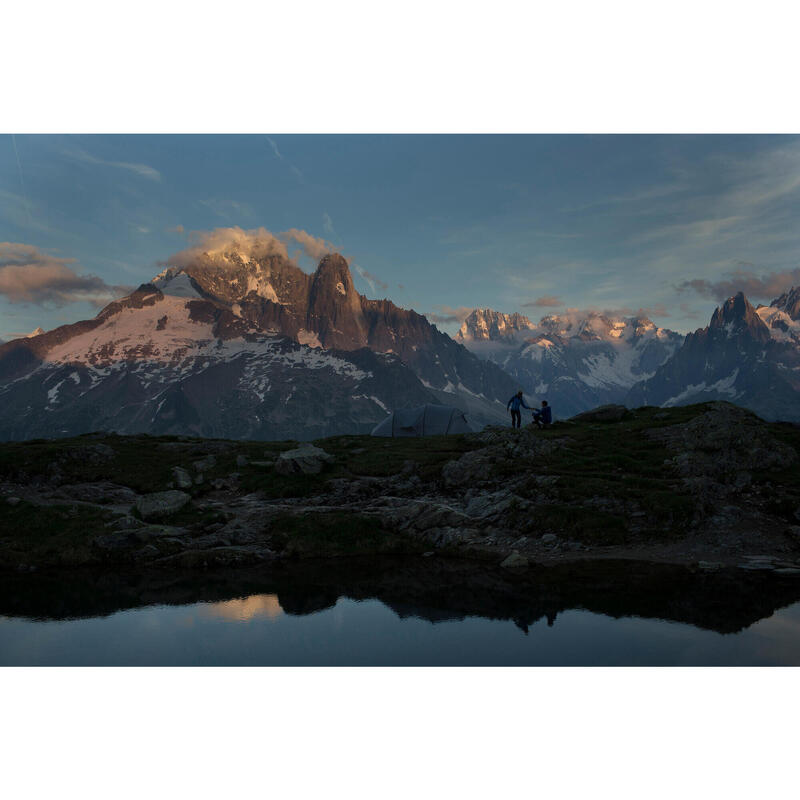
(254, 243)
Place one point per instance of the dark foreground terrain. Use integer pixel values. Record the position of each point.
(709, 486)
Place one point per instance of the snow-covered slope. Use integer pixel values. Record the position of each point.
(250, 348)
(745, 355)
(155, 362)
(576, 360)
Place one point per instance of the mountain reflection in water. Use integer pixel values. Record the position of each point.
(243, 609)
(402, 611)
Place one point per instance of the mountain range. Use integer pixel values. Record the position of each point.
(238, 346)
(233, 344)
(576, 360)
(746, 355)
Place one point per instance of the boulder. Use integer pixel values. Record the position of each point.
(473, 467)
(549, 538)
(514, 561)
(608, 413)
(490, 505)
(103, 492)
(126, 523)
(183, 480)
(161, 504)
(13, 501)
(205, 464)
(306, 460)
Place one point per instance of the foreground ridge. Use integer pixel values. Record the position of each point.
(709, 485)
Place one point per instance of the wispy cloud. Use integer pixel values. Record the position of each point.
(29, 276)
(142, 170)
(545, 301)
(765, 286)
(371, 279)
(446, 315)
(327, 225)
(295, 171)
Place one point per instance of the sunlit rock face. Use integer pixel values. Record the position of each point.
(574, 360)
(240, 345)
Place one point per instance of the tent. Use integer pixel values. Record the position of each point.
(427, 420)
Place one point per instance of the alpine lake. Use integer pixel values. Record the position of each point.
(402, 612)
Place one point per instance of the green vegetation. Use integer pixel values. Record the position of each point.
(602, 483)
(615, 461)
(57, 534)
(356, 456)
(317, 535)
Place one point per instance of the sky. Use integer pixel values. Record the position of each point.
(670, 225)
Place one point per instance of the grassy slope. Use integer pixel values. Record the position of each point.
(594, 460)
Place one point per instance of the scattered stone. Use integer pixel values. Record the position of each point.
(205, 464)
(710, 566)
(549, 538)
(514, 561)
(161, 503)
(13, 501)
(263, 464)
(126, 523)
(183, 480)
(306, 460)
(146, 553)
(473, 467)
(428, 554)
(490, 505)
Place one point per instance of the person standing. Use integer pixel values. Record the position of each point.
(514, 405)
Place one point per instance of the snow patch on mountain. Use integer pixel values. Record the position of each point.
(722, 386)
(176, 284)
(781, 326)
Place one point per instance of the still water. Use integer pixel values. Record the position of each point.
(256, 630)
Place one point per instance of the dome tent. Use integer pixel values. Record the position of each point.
(427, 420)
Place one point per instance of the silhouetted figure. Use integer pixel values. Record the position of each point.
(543, 417)
(514, 404)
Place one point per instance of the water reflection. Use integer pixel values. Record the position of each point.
(402, 612)
(243, 609)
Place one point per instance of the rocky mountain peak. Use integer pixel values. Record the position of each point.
(485, 324)
(335, 312)
(736, 316)
(789, 303)
(333, 274)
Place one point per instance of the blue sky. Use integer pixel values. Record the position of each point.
(670, 224)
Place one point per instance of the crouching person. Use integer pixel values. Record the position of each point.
(543, 417)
